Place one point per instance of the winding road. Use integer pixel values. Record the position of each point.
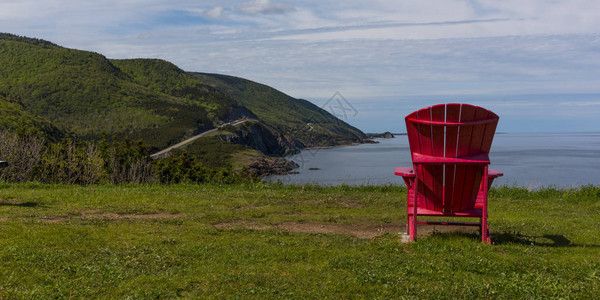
(164, 152)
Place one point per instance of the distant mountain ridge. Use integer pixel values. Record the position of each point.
(307, 123)
(52, 91)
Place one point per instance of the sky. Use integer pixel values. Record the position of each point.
(535, 63)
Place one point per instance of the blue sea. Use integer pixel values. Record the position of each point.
(531, 160)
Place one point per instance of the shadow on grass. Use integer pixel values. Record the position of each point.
(24, 204)
(546, 240)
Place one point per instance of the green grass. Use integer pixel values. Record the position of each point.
(213, 152)
(60, 241)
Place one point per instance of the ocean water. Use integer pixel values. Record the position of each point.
(531, 160)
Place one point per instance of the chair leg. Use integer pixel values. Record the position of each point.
(408, 223)
(412, 227)
(485, 234)
(413, 219)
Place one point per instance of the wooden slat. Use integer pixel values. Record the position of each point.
(478, 132)
(448, 223)
(412, 132)
(438, 114)
(476, 173)
(472, 213)
(424, 173)
(444, 124)
(479, 159)
(494, 173)
(404, 171)
(464, 142)
(452, 115)
(490, 130)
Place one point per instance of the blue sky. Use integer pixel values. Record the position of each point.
(535, 63)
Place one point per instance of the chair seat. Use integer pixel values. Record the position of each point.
(408, 172)
(479, 159)
(471, 213)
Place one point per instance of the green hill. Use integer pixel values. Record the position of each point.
(85, 94)
(304, 121)
(52, 91)
(14, 118)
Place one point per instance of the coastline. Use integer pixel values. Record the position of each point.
(284, 166)
(365, 141)
(517, 155)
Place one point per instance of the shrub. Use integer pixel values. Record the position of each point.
(117, 162)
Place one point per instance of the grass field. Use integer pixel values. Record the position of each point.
(269, 241)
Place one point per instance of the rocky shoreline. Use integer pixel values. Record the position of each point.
(385, 135)
(272, 166)
(269, 165)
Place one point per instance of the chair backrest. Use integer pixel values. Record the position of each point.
(450, 131)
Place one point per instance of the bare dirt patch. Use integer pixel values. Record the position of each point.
(56, 219)
(346, 203)
(241, 224)
(112, 216)
(359, 231)
(363, 231)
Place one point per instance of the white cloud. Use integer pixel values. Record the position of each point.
(365, 49)
(265, 7)
(213, 13)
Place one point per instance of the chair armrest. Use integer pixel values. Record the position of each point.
(404, 172)
(408, 172)
(479, 159)
(494, 173)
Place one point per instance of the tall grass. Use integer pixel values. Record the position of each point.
(34, 159)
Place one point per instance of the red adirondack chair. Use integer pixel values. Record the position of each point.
(449, 144)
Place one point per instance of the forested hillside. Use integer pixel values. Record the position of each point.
(84, 94)
(306, 122)
(54, 92)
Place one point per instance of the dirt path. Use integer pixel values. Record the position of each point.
(363, 231)
(164, 152)
(359, 230)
